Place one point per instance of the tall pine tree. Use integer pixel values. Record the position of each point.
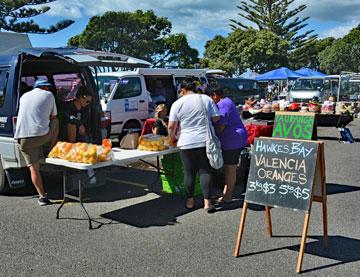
(15, 14)
(275, 15)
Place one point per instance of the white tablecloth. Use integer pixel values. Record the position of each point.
(121, 157)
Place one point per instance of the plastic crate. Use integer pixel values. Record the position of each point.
(173, 177)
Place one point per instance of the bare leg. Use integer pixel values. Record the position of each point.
(207, 203)
(230, 179)
(36, 178)
(54, 132)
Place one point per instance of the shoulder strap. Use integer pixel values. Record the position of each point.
(205, 111)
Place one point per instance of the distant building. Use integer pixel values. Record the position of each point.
(10, 43)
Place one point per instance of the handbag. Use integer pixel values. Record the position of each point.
(130, 141)
(213, 145)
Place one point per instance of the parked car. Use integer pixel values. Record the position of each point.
(238, 89)
(306, 88)
(66, 69)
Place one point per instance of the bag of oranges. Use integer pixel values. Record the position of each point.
(81, 152)
(152, 142)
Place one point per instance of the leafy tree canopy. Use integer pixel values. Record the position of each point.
(15, 14)
(343, 54)
(275, 16)
(216, 56)
(258, 50)
(309, 56)
(140, 34)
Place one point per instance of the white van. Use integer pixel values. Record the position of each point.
(127, 95)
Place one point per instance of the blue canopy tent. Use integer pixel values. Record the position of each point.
(309, 72)
(282, 73)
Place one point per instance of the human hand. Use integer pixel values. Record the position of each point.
(82, 130)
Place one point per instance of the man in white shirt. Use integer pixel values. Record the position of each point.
(36, 126)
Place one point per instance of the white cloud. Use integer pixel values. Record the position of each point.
(339, 31)
(196, 17)
(331, 10)
(191, 17)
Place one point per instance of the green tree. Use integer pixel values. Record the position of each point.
(15, 14)
(275, 16)
(216, 56)
(309, 56)
(140, 34)
(176, 52)
(343, 54)
(258, 50)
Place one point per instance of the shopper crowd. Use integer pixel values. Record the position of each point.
(188, 116)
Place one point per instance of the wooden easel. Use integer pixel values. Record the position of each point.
(318, 195)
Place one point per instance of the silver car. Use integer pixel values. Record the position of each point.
(306, 88)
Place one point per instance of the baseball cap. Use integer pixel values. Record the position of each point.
(42, 83)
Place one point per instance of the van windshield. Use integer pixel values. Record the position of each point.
(106, 84)
(307, 84)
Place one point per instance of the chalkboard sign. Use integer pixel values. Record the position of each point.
(294, 125)
(282, 173)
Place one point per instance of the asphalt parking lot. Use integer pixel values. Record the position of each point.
(147, 233)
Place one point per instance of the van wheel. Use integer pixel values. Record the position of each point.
(4, 186)
(132, 124)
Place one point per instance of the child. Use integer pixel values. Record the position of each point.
(160, 125)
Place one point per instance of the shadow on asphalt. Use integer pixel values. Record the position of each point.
(339, 188)
(161, 211)
(341, 249)
(334, 138)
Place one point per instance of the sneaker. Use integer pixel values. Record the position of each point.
(43, 201)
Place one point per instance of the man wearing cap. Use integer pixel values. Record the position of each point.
(36, 126)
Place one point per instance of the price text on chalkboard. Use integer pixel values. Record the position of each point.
(293, 125)
(282, 173)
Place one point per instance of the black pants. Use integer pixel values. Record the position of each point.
(194, 161)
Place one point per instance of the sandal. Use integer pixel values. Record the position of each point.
(210, 210)
(223, 200)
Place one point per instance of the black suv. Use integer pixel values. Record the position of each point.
(66, 69)
(238, 89)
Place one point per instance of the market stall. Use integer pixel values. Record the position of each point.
(322, 120)
(117, 157)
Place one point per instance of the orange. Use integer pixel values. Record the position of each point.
(107, 143)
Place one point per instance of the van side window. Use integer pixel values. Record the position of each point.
(128, 87)
(106, 85)
(4, 75)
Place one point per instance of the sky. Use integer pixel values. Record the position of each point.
(200, 20)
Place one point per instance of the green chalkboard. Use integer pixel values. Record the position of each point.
(282, 173)
(294, 125)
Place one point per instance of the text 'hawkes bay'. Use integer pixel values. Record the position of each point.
(296, 148)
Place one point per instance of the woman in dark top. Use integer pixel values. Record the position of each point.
(76, 114)
(160, 125)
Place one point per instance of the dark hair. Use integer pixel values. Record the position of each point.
(213, 88)
(82, 92)
(188, 84)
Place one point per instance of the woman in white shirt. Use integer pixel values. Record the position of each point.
(188, 114)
